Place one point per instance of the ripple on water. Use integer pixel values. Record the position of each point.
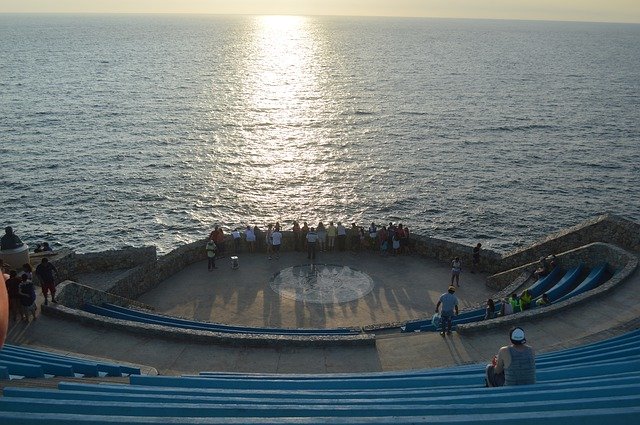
(450, 127)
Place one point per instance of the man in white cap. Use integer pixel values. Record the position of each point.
(514, 364)
(449, 304)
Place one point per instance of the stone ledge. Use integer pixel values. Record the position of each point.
(233, 339)
(621, 275)
(75, 295)
(591, 255)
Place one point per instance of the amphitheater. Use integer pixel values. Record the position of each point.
(344, 339)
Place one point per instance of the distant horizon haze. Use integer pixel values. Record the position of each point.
(614, 11)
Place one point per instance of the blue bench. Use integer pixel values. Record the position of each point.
(123, 313)
(567, 282)
(472, 395)
(50, 368)
(435, 406)
(591, 384)
(595, 278)
(544, 283)
(582, 416)
(57, 361)
(27, 370)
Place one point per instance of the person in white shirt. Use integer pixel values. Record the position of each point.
(312, 239)
(250, 237)
(276, 240)
(236, 240)
(456, 268)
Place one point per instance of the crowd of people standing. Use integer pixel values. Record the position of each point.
(391, 239)
(21, 288)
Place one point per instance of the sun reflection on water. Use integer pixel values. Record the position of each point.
(280, 87)
(280, 144)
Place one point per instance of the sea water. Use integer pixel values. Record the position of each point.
(150, 129)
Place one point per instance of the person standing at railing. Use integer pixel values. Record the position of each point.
(475, 265)
(211, 255)
(514, 364)
(332, 233)
(276, 241)
(312, 239)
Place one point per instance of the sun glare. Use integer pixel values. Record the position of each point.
(282, 55)
(280, 85)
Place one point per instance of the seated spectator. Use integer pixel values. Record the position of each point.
(514, 364)
(516, 303)
(542, 301)
(38, 248)
(10, 240)
(46, 247)
(506, 308)
(543, 268)
(490, 311)
(553, 262)
(525, 299)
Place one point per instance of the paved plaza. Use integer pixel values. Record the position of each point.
(290, 293)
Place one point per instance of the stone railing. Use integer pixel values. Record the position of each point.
(75, 295)
(606, 228)
(622, 263)
(591, 255)
(146, 270)
(579, 243)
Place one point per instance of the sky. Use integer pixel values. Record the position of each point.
(555, 10)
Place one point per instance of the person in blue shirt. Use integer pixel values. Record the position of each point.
(449, 303)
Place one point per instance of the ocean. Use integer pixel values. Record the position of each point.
(139, 130)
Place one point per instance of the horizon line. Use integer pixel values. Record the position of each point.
(327, 15)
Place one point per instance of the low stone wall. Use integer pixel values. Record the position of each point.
(125, 258)
(623, 263)
(146, 270)
(191, 336)
(606, 228)
(446, 251)
(75, 295)
(591, 255)
(136, 281)
(180, 258)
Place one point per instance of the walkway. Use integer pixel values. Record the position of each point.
(405, 288)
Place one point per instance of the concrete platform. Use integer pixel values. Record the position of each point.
(404, 288)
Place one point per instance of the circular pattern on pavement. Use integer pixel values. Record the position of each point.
(321, 283)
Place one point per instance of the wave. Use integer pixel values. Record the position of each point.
(515, 128)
